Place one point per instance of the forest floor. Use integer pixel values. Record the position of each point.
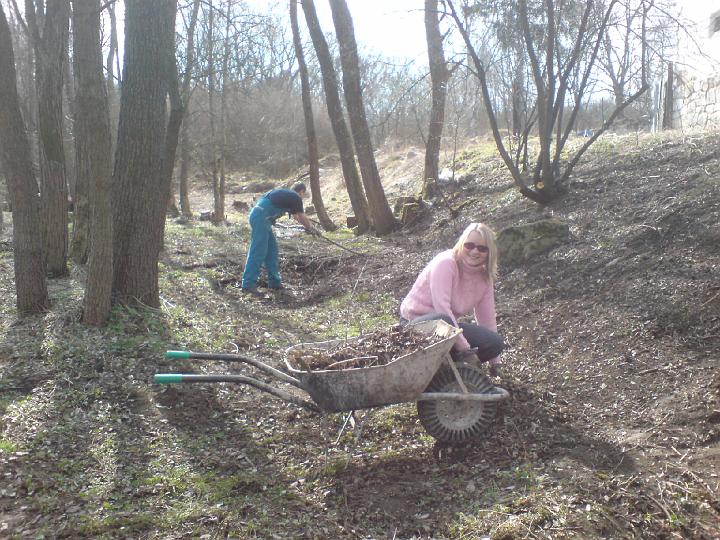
(612, 429)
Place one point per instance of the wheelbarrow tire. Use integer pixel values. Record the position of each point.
(455, 421)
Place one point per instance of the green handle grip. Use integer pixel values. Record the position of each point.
(168, 378)
(177, 354)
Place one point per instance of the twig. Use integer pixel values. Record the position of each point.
(662, 507)
(352, 293)
(340, 362)
(711, 299)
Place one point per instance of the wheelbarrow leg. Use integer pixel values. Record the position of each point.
(350, 418)
(455, 371)
(359, 425)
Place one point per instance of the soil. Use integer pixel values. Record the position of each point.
(613, 339)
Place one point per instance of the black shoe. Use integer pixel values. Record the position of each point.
(251, 290)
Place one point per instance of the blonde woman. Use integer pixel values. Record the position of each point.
(455, 282)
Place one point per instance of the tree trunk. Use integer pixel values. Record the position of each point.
(217, 216)
(50, 44)
(223, 114)
(139, 189)
(92, 128)
(79, 183)
(439, 75)
(382, 217)
(313, 154)
(184, 170)
(337, 119)
(29, 263)
(185, 97)
(667, 122)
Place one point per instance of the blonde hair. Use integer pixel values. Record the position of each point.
(488, 235)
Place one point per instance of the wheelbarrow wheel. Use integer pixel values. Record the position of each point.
(456, 421)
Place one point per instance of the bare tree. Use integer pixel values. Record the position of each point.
(93, 144)
(552, 67)
(383, 219)
(185, 93)
(179, 98)
(335, 111)
(140, 190)
(439, 75)
(313, 155)
(31, 289)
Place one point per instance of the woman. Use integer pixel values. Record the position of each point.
(453, 283)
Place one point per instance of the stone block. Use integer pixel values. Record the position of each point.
(521, 243)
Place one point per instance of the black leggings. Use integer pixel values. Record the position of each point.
(489, 344)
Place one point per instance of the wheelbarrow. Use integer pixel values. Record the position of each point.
(455, 402)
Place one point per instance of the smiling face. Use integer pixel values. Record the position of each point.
(475, 250)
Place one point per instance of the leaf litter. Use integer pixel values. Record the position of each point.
(374, 349)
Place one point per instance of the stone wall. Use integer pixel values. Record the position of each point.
(697, 102)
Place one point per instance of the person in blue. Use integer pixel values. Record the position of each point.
(263, 248)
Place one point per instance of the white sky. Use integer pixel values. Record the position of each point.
(396, 29)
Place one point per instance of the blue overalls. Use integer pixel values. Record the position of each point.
(263, 245)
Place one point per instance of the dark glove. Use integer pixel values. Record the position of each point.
(468, 356)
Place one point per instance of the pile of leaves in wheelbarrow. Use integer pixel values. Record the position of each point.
(376, 349)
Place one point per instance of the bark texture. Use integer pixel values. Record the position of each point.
(140, 190)
(313, 154)
(92, 128)
(31, 289)
(439, 75)
(337, 120)
(50, 42)
(383, 219)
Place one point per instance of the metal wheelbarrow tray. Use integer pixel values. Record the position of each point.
(399, 381)
(455, 402)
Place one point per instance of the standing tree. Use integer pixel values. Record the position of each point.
(337, 119)
(439, 75)
(179, 98)
(48, 30)
(31, 289)
(140, 190)
(93, 146)
(313, 154)
(185, 93)
(382, 217)
(558, 63)
(218, 214)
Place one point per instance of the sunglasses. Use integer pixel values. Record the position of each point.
(481, 248)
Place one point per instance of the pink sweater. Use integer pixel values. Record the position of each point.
(443, 288)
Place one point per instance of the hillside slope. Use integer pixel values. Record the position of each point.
(613, 429)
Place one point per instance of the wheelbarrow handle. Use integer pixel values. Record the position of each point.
(185, 355)
(174, 378)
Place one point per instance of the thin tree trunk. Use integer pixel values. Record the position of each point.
(220, 211)
(186, 95)
(313, 154)
(93, 144)
(667, 122)
(113, 75)
(216, 215)
(139, 188)
(382, 216)
(439, 75)
(29, 263)
(184, 170)
(337, 120)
